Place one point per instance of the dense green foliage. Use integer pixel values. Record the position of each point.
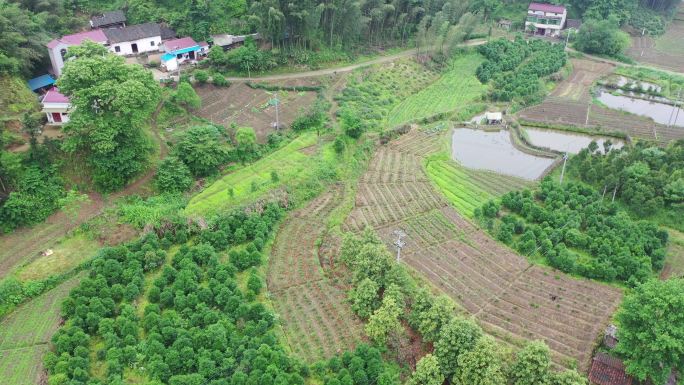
(648, 180)
(203, 149)
(364, 365)
(172, 176)
(196, 326)
(577, 232)
(462, 353)
(113, 102)
(515, 68)
(37, 195)
(186, 96)
(602, 37)
(651, 330)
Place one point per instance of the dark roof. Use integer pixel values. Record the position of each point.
(546, 7)
(167, 33)
(607, 370)
(132, 32)
(108, 18)
(40, 82)
(573, 23)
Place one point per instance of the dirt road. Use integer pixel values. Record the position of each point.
(349, 68)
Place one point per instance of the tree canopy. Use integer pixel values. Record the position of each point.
(651, 330)
(112, 104)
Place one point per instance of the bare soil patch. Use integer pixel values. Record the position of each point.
(514, 300)
(245, 106)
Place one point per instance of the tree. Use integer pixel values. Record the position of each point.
(532, 364)
(602, 37)
(254, 283)
(383, 321)
(651, 329)
(567, 377)
(456, 338)
(186, 96)
(481, 366)
(22, 39)
(431, 321)
(246, 146)
(365, 298)
(201, 76)
(113, 102)
(427, 372)
(352, 124)
(202, 150)
(172, 176)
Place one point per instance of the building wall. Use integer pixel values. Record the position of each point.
(552, 29)
(144, 45)
(59, 108)
(56, 58)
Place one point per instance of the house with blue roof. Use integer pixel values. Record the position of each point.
(41, 83)
(179, 51)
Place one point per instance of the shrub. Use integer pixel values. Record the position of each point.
(201, 76)
(219, 80)
(173, 176)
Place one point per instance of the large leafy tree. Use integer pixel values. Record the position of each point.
(651, 330)
(22, 35)
(532, 364)
(602, 37)
(202, 149)
(112, 102)
(481, 366)
(427, 372)
(456, 338)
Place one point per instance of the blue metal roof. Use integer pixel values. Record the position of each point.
(167, 56)
(40, 82)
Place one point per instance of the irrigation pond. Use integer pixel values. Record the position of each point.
(662, 113)
(565, 141)
(494, 151)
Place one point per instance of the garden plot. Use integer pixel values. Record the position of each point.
(245, 106)
(578, 85)
(25, 335)
(316, 317)
(513, 299)
(666, 51)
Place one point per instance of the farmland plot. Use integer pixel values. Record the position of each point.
(25, 335)
(514, 300)
(665, 51)
(250, 107)
(317, 320)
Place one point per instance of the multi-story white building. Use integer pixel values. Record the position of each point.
(545, 19)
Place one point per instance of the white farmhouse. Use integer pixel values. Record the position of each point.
(545, 19)
(124, 41)
(56, 107)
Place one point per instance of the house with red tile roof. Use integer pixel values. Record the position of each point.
(545, 19)
(57, 48)
(56, 106)
(607, 370)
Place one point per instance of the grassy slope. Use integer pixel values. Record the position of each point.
(25, 334)
(456, 90)
(15, 98)
(291, 165)
(67, 254)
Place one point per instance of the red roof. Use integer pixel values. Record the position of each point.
(177, 44)
(546, 7)
(54, 96)
(607, 370)
(95, 35)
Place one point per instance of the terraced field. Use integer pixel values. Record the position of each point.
(316, 318)
(26, 333)
(513, 299)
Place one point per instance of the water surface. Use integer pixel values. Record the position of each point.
(494, 151)
(564, 141)
(660, 112)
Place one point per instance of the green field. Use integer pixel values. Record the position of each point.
(25, 334)
(255, 180)
(456, 90)
(66, 255)
(467, 189)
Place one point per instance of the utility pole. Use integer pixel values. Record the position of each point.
(675, 108)
(565, 160)
(277, 103)
(399, 243)
(643, 32)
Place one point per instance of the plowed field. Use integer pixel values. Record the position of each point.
(513, 299)
(316, 318)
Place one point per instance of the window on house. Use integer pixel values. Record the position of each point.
(63, 52)
(117, 48)
(152, 43)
